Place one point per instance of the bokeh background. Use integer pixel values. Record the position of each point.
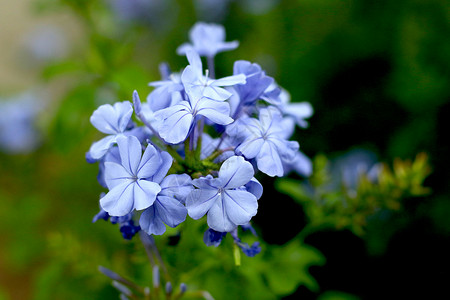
(376, 72)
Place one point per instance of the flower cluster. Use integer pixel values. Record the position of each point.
(195, 145)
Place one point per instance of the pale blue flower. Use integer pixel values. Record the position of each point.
(168, 207)
(128, 182)
(297, 111)
(18, 130)
(265, 140)
(198, 86)
(174, 123)
(112, 120)
(161, 97)
(224, 199)
(256, 81)
(207, 40)
(301, 164)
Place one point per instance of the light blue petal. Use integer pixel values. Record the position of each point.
(250, 147)
(269, 161)
(217, 112)
(177, 186)
(301, 164)
(189, 76)
(145, 193)
(269, 117)
(228, 46)
(104, 119)
(218, 219)
(166, 163)
(150, 163)
(161, 97)
(286, 149)
(119, 201)
(195, 62)
(137, 103)
(100, 148)
(124, 110)
(299, 111)
(254, 187)
(216, 93)
(235, 172)
(151, 223)
(230, 80)
(115, 174)
(207, 182)
(175, 127)
(183, 49)
(200, 201)
(170, 210)
(113, 155)
(112, 119)
(130, 152)
(241, 206)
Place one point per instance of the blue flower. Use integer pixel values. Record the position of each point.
(300, 164)
(224, 199)
(168, 207)
(18, 131)
(128, 229)
(249, 251)
(198, 86)
(207, 40)
(112, 120)
(128, 182)
(297, 111)
(213, 238)
(265, 140)
(161, 97)
(174, 123)
(126, 223)
(256, 81)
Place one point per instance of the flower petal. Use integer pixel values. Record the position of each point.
(216, 93)
(170, 210)
(254, 187)
(150, 163)
(151, 223)
(130, 153)
(286, 149)
(175, 127)
(177, 186)
(218, 219)
(269, 161)
(217, 112)
(99, 148)
(199, 202)
(145, 193)
(230, 80)
(250, 147)
(195, 61)
(235, 172)
(112, 120)
(240, 205)
(166, 163)
(119, 201)
(115, 174)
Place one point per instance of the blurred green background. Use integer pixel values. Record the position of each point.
(376, 72)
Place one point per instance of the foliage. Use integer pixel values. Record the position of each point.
(347, 207)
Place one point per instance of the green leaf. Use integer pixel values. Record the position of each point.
(288, 267)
